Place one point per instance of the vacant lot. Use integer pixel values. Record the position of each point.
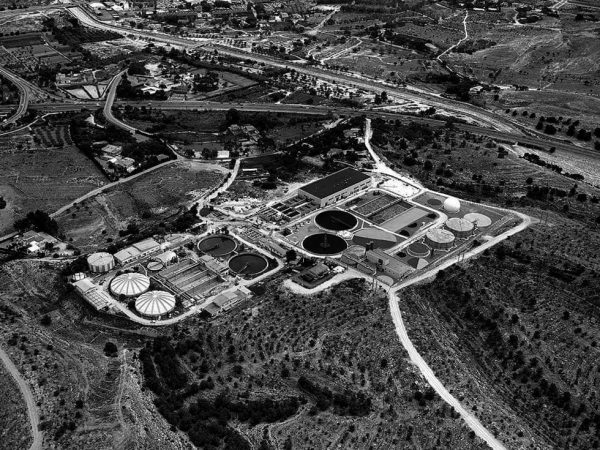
(146, 200)
(33, 176)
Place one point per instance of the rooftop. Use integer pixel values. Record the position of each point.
(335, 182)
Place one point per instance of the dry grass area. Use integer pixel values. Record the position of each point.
(146, 200)
(559, 54)
(33, 176)
(514, 334)
(85, 398)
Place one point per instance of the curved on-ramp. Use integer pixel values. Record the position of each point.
(32, 411)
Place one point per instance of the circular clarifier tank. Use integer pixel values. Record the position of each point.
(217, 245)
(324, 244)
(336, 220)
(479, 220)
(459, 227)
(248, 264)
(418, 249)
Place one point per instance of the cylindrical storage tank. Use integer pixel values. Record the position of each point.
(439, 239)
(155, 303)
(130, 284)
(418, 249)
(452, 205)
(479, 220)
(78, 276)
(460, 227)
(101, 262)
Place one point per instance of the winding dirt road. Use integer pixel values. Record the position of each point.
(32, 411)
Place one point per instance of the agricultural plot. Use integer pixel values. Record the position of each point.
(147, 200)
(53, 136)
(33, 176)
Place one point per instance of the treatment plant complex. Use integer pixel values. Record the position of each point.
(384, 228)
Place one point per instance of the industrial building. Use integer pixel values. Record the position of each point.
(155, 303)
(387, 263)
(335, 187)
(93, 294)
(227, 300)
(136, 251)
(214, 265)
(100, 262)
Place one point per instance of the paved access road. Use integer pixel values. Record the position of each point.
(32, 412)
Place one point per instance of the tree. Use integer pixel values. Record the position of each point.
(46, 320)
(232, 116)
(39, 221)
(110, 349)
(291, 255)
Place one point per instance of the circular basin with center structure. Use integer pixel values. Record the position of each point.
(480, 220)
(324, 244)
(248, 264)
(335, 220)
(379, 238)
(460, 227)
(418, 249)
(217, 246)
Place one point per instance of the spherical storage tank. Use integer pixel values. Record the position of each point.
(459, 227)
(451, 205)
(155, 303)
(439, 238)
(101, 262)
(130, 284)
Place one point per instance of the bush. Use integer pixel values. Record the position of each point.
(110, 349)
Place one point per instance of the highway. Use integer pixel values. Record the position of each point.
(475, 113)
(110, 99)
(23, 95)
(540, 140)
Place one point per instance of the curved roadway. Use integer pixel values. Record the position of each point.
(32, 411)
(23, 95)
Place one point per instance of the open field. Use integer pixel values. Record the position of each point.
(195, 127)
(33, 176)
(146, 200)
